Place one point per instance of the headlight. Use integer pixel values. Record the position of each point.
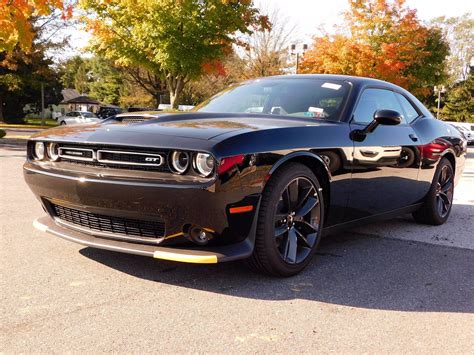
(180, 162)
(204, 164)
(53, 151)
(39, 150)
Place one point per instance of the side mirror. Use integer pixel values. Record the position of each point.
(381, 117)
(387, 117)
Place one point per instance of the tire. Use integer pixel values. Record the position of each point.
(290, 222)
(63, 123)
(407, 158)
(439, 201)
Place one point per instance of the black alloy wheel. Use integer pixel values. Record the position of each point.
(297, 219)
(445, 190)
(289, 222)
(439, 200)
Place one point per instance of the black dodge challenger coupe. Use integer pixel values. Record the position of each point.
(260, 171)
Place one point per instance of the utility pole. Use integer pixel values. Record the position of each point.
(42, 104)
(297, 61)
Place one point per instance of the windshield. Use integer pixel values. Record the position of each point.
(88, 114)
(311, 98)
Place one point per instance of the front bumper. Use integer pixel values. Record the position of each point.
(189, 255)
(177, 205)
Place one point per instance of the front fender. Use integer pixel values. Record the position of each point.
(296, 156)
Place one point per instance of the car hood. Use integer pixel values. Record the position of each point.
(196, 126)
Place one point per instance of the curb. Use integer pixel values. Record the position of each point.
(25, 126)
(16, 137)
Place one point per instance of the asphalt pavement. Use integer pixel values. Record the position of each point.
(393, 286)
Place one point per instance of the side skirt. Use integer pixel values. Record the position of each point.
(367, 220)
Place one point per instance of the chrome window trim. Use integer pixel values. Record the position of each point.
(107, 161)
(73, 157)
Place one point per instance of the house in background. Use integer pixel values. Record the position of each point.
(73, 101)
(81, 103)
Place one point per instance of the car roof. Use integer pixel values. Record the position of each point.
(336, 77)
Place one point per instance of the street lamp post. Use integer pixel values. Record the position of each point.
(294, 50)
(42, 104)
(439, 90)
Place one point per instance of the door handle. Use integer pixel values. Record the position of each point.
(368, 153)
(413, 137)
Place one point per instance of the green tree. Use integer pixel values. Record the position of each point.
(106, 81)
(21, 75)
(459, 101)
(22, 72)
(69, 69)
(97, 77)
(170, 38)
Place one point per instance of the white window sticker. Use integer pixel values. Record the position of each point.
(315, 109)
(331, 86)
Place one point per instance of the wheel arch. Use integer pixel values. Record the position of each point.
(316, 164)
(452, 159)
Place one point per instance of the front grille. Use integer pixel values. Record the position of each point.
(129, 158)
(115, 157)
(110, 225)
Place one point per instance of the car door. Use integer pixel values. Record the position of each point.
(385, 164)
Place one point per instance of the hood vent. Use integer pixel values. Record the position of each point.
(131, 120)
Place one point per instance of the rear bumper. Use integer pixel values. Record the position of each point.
(197, 255)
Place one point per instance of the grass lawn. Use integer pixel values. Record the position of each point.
(37, 122)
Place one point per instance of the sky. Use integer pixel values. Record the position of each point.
(311, 15)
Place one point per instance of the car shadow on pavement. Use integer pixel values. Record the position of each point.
(351, 269)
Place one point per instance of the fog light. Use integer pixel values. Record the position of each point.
(199, 236)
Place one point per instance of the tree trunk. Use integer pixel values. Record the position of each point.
(175, 87)
(1, 109)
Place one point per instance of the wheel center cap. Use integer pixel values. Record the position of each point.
(290, 219)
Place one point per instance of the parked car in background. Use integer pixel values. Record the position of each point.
(106, 112)
(78, 117)
(465, 133)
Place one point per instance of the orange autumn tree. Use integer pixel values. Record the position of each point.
(15, 20)
(382, 39)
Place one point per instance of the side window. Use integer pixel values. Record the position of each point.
(410, 111)
(372, 100)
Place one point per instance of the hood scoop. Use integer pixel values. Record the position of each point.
(131, 120)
